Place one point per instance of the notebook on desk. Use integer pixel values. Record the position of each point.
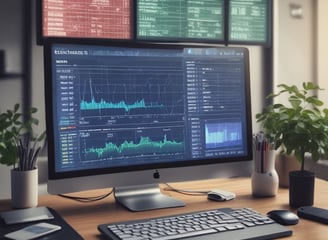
(67, 232)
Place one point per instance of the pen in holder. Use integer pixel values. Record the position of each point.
(265, 180)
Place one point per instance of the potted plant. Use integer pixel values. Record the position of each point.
(19, 148)
(297, 128)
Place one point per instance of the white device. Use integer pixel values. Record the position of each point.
(220, 195)
(26, 215)
(33, 231)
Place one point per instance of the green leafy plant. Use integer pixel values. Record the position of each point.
(18, 144)
(299, 127)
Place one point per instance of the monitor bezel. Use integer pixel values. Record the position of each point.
(53, 175)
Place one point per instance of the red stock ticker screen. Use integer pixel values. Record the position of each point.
(110, 19)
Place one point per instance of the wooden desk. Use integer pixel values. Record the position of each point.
(85, 217)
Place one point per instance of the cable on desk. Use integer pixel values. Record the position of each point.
(87, 199)
(184, 191)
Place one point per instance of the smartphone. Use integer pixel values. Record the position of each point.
(33, 231)
(313, 213)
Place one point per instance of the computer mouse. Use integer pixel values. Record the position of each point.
(284, 217)
(220, 195)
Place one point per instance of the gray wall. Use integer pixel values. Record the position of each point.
(10, 88)
(11, 41)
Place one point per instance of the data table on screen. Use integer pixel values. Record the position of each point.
(180, 19)
(109, 19)
(249, 21)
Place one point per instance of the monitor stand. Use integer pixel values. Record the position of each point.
(144, 197)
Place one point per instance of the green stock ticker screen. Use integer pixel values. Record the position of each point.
(249, 21)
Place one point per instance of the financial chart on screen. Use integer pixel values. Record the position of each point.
(109, 19)
(126, 106)
(180, 19)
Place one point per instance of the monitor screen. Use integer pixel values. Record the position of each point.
(250, 21)
(182, 20)
(132, 115)
(86, 19)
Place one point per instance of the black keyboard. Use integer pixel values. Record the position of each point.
(223, 223)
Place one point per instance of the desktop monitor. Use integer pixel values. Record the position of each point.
(133, 116)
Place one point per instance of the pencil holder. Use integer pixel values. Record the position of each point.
(265, 180)
(265, 184)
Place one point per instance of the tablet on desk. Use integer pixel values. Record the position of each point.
(26, 215)
(23, 217)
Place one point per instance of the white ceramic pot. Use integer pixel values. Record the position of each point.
(24, 188)
(265, 180)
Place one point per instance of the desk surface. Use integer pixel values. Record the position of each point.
(85, 217)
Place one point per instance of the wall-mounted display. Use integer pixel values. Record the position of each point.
(250, 21)
(222, 22)
(86, 19)
(190, 20)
